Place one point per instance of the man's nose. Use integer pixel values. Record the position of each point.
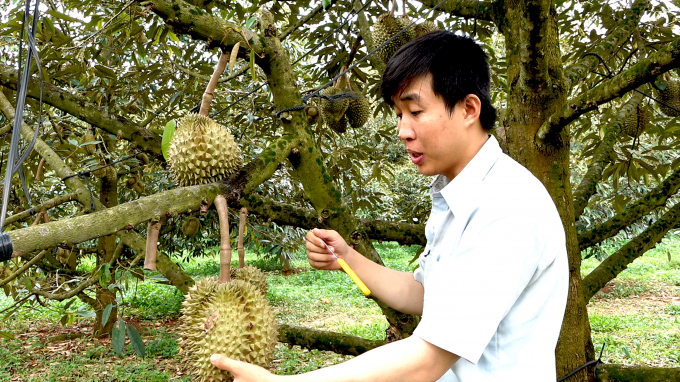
(405, 130)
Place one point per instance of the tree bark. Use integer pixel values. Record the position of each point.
(620, 373)
(322, 340)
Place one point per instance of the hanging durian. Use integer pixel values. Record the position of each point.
(637, 122)
(229, 317)
(387, 26)
(670, 96)
(425, 27)
(358, 111)
(201, 150)
(191, 226)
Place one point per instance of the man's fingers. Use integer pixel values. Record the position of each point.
(242, 371)
(224, 363)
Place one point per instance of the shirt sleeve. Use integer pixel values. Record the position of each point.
(470, 289)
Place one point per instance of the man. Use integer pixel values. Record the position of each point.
(492, 282)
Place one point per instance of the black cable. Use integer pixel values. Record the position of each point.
(14, 163)
(298, 60)
(595, 362)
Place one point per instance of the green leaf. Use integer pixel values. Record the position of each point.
(86, 313)
(252, 64)
(73, 142)
(173, 36)
(251, 21)
(7, 335)
(118, 337)
(326, 4)
(136, 341)
(106, 314)
(158, 277)
(89, 143)
(625, 351)
(168, 132)
(29, 283)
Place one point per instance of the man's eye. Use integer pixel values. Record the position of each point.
(415, 113)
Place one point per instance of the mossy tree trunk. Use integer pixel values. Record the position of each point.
(106, 247)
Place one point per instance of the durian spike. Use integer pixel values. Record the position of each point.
(152, 230)
(243, 216)
(208, 95)
(225, 245)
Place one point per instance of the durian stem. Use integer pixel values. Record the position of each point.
(208, 95)
(243, 216)
(39, 172)
(152, 231)
(225, 244)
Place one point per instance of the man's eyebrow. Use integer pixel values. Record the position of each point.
(410, 97)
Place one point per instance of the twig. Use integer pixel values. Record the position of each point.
(151, 244)
(210, 89)
(243, 217)
(23, 268)
(225, 244)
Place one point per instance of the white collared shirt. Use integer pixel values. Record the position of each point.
(495, 272)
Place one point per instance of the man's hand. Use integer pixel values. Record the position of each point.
(242, 371)
(318, 255)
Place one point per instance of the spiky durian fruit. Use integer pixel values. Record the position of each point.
(202, 151)
(339, 126)
(670, 96)
(252, 275)
(637, 122)
(333, 109)
(358, 111)
(191, 226)
(425, 27)
(388, 26)
(233, 319)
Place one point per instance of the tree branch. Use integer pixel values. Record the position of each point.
(614, 40)
(322, 340)
(85, 111)
(23, 268)
(617, 262)
(621, 373)
(601, 156)
(644, 71)
(403, 233)
(653, 199)
(58, 200)
(199, 24)
(480, 10)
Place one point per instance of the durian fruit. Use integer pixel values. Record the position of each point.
(637, 122)
(202, 151)
(358, 111)
(252, 275)
(339, 126)
(233, 319)
(313, 113)
(90, 149)
(333, 110)
(670, 96)
(388, 26)
(425, 27)
(191, 226)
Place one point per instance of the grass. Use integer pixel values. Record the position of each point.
(637, 316)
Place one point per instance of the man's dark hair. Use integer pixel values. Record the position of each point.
(458, 67)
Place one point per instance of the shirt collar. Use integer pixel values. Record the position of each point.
(465, 185)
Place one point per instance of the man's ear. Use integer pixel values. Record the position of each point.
(472, 106)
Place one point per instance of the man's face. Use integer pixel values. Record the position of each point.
(436, 140)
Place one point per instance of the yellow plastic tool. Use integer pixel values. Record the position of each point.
(345, 267)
